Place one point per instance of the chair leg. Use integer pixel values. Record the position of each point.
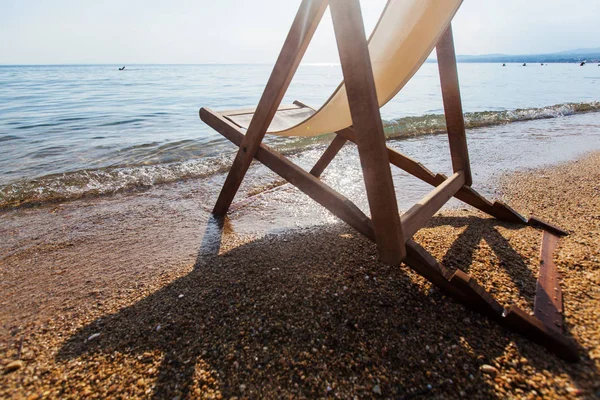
(366, 119)
(455, 122)
(334, 147)
(304, 26)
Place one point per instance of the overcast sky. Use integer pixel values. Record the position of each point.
(252, 31)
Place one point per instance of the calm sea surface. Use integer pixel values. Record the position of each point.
(70, 131)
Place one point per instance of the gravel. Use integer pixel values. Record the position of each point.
(304, 313)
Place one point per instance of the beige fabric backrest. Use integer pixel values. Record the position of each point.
(405, 35)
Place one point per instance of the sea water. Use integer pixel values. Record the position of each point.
(86, 130)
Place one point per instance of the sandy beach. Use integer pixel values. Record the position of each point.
(144, 295)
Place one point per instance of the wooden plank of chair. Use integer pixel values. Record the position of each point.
(243, 111)
(423, 263)
(364, 108)
(463, 288)
(548, 304)
(477, 296)
(339, 205)
(334, 147)
(538, 223)
(305, 23)
(455, 122)
(531, 327)
(506, 213)
(418, 215)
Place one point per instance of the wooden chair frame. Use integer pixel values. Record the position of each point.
(391, 232)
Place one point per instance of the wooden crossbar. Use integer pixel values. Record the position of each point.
(244, 111)
(418, 215)
(334, 147)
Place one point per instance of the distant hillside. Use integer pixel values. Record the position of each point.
(576, 55)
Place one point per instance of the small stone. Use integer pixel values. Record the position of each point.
(377, 389)
(13, 366)
(181, 296)
(574, 391)
(488, 369)
(242, 388)
(140, 383)
(93, 336)
(147, 357)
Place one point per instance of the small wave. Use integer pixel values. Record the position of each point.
(35, 126)
(154, 115)
(47, 152)
(71, 119)
(124, 122)
(93, 183)
(8, 138)
(155, 163)
(436, 123)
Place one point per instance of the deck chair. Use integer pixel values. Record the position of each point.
(374, 71)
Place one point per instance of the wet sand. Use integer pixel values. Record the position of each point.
(144, 295)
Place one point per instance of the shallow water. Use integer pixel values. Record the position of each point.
(494, 151)
(72, 131)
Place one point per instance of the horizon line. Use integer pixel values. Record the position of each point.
(429, 60)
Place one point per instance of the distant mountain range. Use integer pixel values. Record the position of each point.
(577, 55)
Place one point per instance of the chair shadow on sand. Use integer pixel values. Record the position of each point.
(313, 313)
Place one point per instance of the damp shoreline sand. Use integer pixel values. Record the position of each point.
(139, 295)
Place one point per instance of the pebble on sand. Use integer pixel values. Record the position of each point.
(377, 389)
(13, 366)
(488, 369)
(93, 336)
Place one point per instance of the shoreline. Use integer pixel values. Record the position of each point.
(332, 319)
(201, 158)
